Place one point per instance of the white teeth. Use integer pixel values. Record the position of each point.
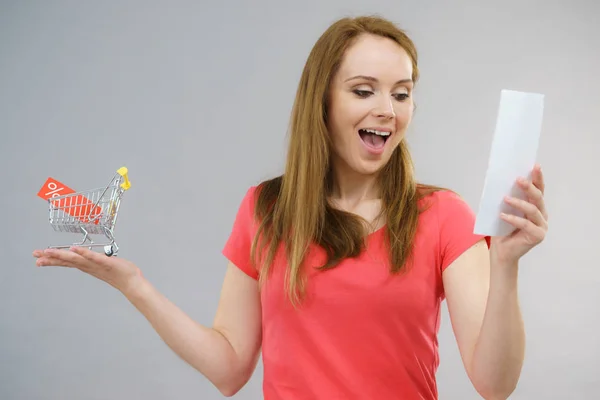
(379, 133)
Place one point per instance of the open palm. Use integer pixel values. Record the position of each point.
(118, 272)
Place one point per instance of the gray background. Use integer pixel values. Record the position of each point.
(194, 98)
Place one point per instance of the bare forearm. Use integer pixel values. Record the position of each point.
(499, 352)
(204, 348)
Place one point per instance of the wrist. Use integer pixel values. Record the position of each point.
(504, 271)
(501, 260)
(136, 287)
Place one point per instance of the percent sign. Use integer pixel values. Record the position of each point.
(77, 206)
(54, 189)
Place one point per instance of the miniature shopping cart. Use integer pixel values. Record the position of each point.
(90, 212)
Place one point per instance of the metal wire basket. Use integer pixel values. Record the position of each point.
(90, 212)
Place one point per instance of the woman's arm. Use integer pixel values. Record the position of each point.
(225, 353)
(486, 319)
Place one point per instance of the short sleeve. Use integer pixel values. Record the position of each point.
(456, 226)
(238, 245)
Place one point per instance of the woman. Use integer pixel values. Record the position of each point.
(343, 289)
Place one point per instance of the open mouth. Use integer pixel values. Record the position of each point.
(374, 138)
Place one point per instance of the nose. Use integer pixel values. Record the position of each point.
(385, 109)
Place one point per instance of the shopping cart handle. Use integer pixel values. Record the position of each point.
(123, 172)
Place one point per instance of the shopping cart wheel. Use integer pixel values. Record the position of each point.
(109, 250)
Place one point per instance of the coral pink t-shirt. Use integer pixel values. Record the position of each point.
(361, 333)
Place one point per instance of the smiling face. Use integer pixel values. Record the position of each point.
(370, 104)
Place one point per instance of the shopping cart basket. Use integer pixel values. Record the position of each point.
(90, 212)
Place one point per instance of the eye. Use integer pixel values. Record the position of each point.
(401, 96)
(362, 93)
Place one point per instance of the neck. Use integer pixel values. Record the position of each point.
(352, 188)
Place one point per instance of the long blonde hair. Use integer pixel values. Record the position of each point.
(293, 208)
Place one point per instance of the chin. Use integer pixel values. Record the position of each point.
(368, 167)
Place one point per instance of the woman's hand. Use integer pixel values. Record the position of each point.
(118, 272)
(531, 228)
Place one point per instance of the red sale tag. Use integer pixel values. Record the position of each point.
(77, 206)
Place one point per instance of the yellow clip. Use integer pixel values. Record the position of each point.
(123, 172)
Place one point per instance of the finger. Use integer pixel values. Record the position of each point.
(47, 261)
(65, 258)
(40, 252)
(525, 225)
(535, 195)
(44, 258)
(538, 178)
(530, 210)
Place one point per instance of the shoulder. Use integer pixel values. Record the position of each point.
(264, 189)
(248, 201)
(450, 215)
(450, 218)
(450, 201)
(258, 199)
(444, 203)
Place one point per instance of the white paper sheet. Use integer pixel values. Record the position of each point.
(513, 154)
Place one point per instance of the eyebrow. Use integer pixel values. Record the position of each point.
(372, 79)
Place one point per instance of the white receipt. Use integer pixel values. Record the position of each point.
(513, 155)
